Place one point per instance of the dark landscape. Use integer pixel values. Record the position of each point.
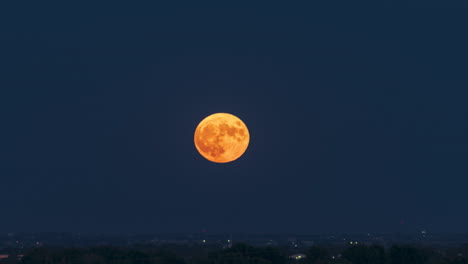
(202, 248)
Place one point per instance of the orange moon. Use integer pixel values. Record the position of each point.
(221, 138)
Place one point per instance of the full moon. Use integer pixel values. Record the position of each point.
(221, 138)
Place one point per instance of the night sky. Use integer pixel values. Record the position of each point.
(358, 118)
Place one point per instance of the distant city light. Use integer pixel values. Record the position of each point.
(204, 241)
(297, 256)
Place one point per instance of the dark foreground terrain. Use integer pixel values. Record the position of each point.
(237, 253)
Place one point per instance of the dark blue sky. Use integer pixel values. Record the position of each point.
(358, 118)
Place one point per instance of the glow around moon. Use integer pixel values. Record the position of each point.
(221, 138)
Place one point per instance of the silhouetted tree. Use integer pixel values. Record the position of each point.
(317, 255)
(273, 255)
(241, 253)
(339, 261)
(407, 255)
(459, 260)
(100, 255)
(362, 254)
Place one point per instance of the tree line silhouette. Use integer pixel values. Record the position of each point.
(241, 253)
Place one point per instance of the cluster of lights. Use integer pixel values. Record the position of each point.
(353, 243)
(204, 241)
